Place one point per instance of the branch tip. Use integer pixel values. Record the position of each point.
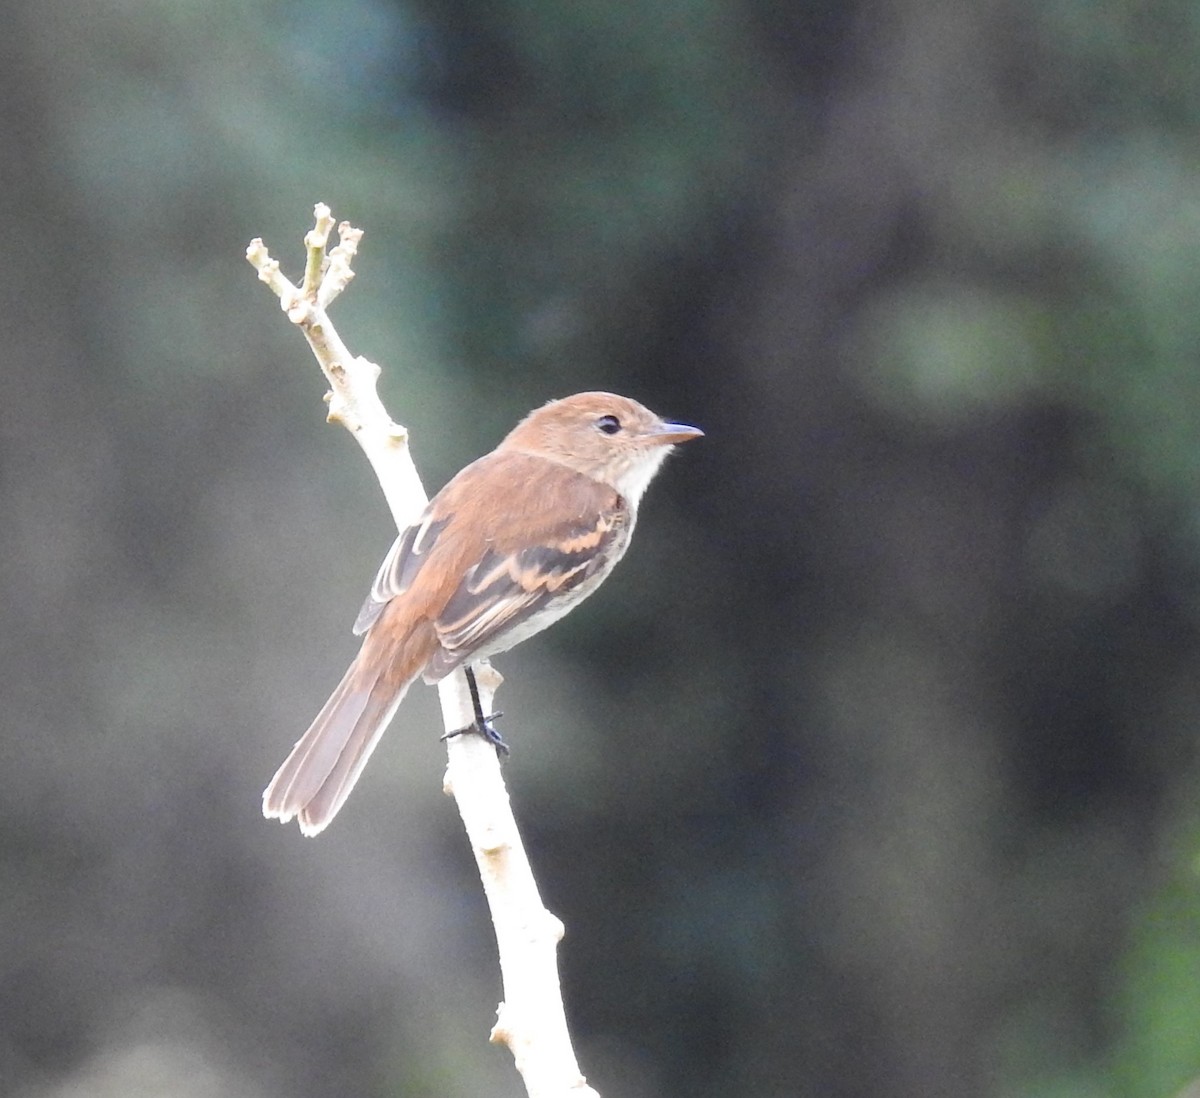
(319, 233)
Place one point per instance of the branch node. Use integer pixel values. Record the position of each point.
(494, 844)
(293, 303)
(487, 676)
(501, 1034)
(555, 927)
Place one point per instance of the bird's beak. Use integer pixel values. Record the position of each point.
(667, 434)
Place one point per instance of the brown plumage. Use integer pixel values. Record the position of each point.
(511, 544)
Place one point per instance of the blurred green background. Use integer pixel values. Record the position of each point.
(872, 772)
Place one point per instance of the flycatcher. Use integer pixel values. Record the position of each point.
(511, 544)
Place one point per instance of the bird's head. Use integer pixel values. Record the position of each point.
(606, 437)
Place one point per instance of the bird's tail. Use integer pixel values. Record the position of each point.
(317, 777)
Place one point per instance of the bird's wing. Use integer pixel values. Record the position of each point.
(400, 567)
(552, 531)
(508, 586)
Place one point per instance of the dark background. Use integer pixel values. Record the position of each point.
(872, 772)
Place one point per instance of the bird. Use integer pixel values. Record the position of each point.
(513, 542)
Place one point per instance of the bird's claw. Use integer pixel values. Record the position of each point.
(484, 728)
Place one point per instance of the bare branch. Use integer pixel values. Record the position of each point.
(531, 1020)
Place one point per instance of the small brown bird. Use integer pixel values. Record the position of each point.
(510, 545)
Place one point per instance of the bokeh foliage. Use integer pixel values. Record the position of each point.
(872, 772)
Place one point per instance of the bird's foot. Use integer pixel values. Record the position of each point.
(485, 728)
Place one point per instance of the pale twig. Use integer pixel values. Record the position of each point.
(352, 398)
(531, 1019)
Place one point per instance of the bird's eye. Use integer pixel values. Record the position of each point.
(610, 425)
